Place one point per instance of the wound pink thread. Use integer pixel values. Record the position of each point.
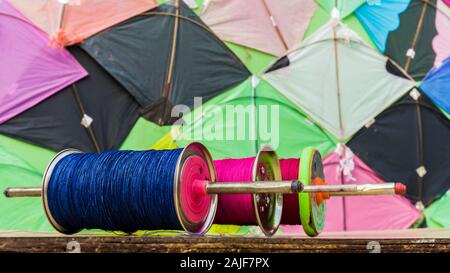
(289, 171)
(235, 209)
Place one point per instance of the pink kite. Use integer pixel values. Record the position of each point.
(30, 70)
(76, 20)
(362, 212)
(271, 26)
(441, 43)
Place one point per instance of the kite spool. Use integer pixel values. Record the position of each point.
(312, 204)
(236, 209)
(193, 185)
(192, 163)
(306, 207)
(264, 209)
(127, 189)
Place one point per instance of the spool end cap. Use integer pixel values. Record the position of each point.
(400, 188)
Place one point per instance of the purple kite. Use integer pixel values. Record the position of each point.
(31, 70)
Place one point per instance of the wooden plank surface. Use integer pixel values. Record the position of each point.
(420, 240)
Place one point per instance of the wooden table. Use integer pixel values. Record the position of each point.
(417, 240)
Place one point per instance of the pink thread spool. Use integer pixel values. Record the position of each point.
(238, 208)
(235, 208)
(263, 209)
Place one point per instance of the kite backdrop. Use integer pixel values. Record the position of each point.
(301, 72)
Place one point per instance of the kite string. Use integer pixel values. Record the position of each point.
(118, 190)
(290, 171)
(237, 209)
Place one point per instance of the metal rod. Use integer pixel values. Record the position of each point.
(294, 186)
(286, 186)
(355, 189)
(23, 192)
(254, 187)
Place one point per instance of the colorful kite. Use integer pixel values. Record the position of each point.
(30, 71)
(362, 212)
(436, 85)
(71, 21)
(381, 18)
(271, 26)
(163, 58)
(94, 114)
(438, 214)
(238, 122)
(414, 33)
(338, 80)
(408, 142)
(22, 213)
(344, 7)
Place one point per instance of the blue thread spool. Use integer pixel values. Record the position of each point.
(186, 172)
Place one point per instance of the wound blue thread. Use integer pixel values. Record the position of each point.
(117, 190)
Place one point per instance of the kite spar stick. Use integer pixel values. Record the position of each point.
(168, 82)
(255, 113)
(336, 58)
(338, 84)
(61, 15)
(344, 203)
(166, 91)
(421, 167)
(60, 35)
(275, 25)
(83, 112)
(410, 54)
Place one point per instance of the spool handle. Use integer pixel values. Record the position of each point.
(23, 192)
